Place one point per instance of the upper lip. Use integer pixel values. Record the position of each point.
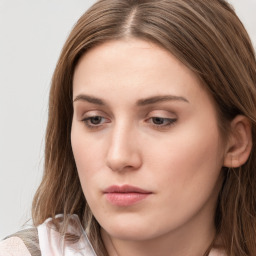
(125, 189)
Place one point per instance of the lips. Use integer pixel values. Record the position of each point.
(125, 189)
(125, 195)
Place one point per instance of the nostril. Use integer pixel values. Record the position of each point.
(123, 162)
(123, 152)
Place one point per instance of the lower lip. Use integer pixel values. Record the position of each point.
(125, 199)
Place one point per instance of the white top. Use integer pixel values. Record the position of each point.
(53, 244)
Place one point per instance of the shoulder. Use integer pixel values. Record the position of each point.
(22, 243)
(13, 246)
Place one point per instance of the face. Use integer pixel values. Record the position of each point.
(145, 140)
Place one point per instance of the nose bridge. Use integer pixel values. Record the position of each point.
(123, 151)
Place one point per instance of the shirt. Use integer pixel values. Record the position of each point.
(53, 244)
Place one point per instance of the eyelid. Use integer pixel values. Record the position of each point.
(169, 121)
(92, 113)
(85, 108)
(162, 113)
(94, 126)
(87, 117)
(166, 119)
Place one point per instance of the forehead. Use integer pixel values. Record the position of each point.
(133, 68)
(130, 53)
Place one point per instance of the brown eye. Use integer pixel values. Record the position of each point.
(158, 120)
(95, 120)
(161, 121)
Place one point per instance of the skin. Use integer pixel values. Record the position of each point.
(172, 148)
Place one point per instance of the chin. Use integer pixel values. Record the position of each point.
(130, 234)
(132, 229)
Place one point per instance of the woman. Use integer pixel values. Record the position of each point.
(150, 144)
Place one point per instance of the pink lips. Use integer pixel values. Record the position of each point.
(125, 195)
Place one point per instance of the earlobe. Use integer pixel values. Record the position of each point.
(239, 144)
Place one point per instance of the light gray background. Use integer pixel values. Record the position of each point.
(32, 34)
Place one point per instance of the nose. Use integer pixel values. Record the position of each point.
(123, 152)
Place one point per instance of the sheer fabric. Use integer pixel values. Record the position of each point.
(53, 244)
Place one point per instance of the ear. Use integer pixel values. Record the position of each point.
(239, 144)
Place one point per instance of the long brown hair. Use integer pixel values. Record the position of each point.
(208, 38)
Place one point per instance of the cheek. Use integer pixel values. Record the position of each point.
(187, 163)
(87, 156)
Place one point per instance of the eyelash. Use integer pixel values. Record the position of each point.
(88, 122)
(166, 122)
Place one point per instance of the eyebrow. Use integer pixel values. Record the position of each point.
(141, 102)
(90, 99)
(163, 98)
